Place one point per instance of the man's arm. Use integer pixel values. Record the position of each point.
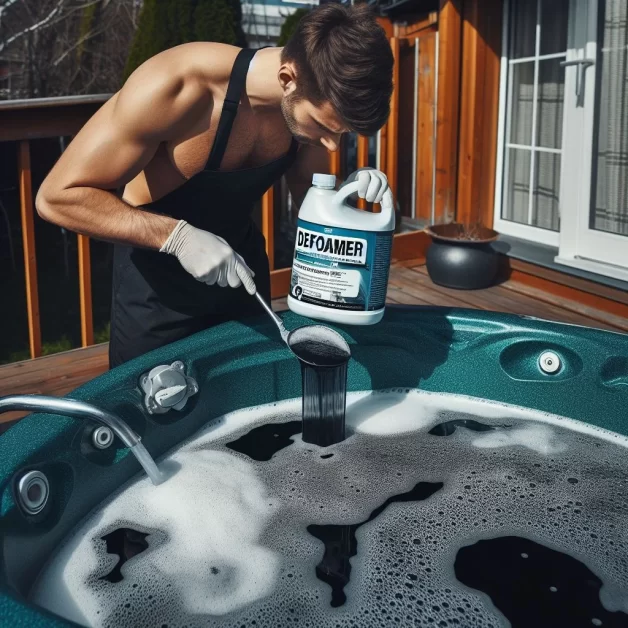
(113, 147)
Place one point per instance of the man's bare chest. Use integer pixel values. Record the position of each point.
(253, 140)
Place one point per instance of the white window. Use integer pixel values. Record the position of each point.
(563, 154)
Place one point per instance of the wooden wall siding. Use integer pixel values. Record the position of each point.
(393, 121)
(387, 25)
(383, 133)
(479, 102)
(411, 245)
(416, 186)
(421, 23)
(383, 150)
(426, 143)
(449, 51)
(405, 137)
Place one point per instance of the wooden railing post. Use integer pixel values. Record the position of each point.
(28, 239)
(478, 112)
(268, 224)
(447, 111)
(362, 161)
(393, 120)
(334, 162)
(85, 291)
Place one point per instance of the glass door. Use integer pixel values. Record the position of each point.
(594, 189)
(531, 119)
(562, 176)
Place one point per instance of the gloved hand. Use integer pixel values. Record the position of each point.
(373, 183)
(208, 258)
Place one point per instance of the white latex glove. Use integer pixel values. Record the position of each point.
(372, 184)
(208, 258)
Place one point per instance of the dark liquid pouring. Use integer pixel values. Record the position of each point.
(323, 355)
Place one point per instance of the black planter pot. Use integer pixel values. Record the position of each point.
(454, 260)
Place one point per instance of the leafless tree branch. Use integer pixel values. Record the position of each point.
(56, 48)
(5, 6)
(34, 27)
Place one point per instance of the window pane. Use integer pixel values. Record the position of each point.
(610, 198)
(522, 91)
(546, 191)
(551, 95)
(554, 22)
(522, 28)
(517, 188)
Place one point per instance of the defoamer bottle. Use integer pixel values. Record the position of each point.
(341, 256)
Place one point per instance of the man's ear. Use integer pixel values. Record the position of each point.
(287, 78)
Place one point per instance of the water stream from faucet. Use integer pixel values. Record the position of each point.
(148, 464)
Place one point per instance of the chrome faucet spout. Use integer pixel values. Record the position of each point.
(82, 410)
(72, 408)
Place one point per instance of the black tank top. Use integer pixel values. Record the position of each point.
(222, 201)
(154, 299)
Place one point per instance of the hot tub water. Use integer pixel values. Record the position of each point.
(436, 508)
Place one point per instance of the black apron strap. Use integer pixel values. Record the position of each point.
(237, 82)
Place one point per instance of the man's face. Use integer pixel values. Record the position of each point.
(318, 125)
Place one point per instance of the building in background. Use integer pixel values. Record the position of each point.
(262, 20)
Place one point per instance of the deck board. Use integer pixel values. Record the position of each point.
(409, 284)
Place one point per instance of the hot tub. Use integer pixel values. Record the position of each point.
(560, 369)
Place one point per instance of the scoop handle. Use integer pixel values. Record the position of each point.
(269, 310)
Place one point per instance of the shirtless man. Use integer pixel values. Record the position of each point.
(195, 137)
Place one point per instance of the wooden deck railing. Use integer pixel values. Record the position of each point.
(23, 121)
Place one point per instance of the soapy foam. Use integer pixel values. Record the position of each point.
(227, 538)
(319, 345)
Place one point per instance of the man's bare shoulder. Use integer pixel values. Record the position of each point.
(174, 87)
(207, 62)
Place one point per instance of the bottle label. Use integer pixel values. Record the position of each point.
(343, 269)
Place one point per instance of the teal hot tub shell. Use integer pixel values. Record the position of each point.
(237, 365)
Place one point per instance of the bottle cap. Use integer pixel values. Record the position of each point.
(327, 181)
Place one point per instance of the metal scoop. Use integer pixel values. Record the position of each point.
(315, 345)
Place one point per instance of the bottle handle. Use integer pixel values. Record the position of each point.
(386, 203)
(344, 193)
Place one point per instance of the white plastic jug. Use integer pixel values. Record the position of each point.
(341, 256)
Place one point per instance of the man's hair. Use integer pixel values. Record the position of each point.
(342, 55)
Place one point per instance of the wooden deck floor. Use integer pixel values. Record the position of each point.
(409, 284)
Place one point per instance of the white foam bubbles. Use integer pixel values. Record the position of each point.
(539, 438)
(228, 540)
(212, 509)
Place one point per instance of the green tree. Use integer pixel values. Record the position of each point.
(236, 8)
(213, 21)
(288, 27)
(152, 34)
(167, 23)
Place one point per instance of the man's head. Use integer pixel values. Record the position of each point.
(336, 74)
